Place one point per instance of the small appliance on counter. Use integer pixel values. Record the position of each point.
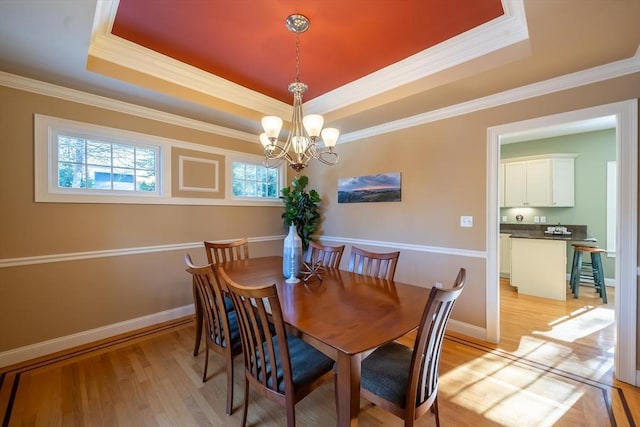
(558, 230)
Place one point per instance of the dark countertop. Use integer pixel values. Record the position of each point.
(576, 233)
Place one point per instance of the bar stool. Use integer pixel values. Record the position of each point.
(587, 270)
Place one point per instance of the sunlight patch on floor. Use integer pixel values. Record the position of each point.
(509, 393)
(579, 324)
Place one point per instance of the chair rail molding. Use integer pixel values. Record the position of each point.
(75, 256)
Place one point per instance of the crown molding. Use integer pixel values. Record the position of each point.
(61, 92)
(504, 31)
(580, 78)
(115, 50)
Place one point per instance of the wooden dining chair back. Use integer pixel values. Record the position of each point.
(219, 253)
(329, 256)
(221, 326)
(405, 381)
(280, 366)
(381, 265)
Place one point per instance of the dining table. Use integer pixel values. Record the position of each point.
(343, 314)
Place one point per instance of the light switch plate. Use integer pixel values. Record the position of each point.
(466, 221)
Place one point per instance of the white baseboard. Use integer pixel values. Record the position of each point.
(467, 329)
(29, 352)
(22, 354)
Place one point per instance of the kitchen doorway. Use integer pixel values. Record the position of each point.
(625, 117)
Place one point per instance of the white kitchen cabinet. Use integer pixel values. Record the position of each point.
(563, 182)
(546, 181)
(505, 255)
(539, 267)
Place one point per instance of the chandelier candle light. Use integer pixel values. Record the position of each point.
(306, 131)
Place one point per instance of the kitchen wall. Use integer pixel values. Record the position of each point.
(594, 150)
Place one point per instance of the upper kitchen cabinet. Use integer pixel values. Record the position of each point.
(539, 181)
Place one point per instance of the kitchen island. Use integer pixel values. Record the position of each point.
(539, 258)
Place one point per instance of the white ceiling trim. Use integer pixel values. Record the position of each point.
(116, 50)
(593, 75)
(504, 31)
(61, 92)
(497, 34)
(580, 78)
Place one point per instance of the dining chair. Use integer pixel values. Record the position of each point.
(222, 332)
(218, 253)
(330, 256)
(405, 381)
(381, 265)
(278, 365)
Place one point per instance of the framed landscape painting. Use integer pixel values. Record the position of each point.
(384, 187)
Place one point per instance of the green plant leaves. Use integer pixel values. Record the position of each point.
(301, 208)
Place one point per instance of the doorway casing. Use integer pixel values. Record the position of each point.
(626, 119)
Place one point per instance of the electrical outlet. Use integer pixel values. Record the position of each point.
(504, 218)
(543, 220)
(536, 219)
(466, 221)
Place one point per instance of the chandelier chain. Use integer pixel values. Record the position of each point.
(297, 58)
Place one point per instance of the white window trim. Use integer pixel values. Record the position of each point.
(44, 127)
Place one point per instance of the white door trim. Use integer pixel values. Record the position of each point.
(626, 270)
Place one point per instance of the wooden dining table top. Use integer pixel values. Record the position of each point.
(350, 312)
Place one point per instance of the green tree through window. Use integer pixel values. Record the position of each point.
(97, 165)
(253, 180)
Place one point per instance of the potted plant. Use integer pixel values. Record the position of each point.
(301, 208)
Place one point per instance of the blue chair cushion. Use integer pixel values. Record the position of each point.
(234, 333)
(307, 363)
(385, 372)
(228, 304)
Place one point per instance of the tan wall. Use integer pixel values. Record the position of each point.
(45, 301)
(443, 166)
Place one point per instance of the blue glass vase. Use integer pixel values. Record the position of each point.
(292, 255)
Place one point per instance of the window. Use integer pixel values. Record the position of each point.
(83, 163)
(95, 164)
(253, 180)
(79, 162)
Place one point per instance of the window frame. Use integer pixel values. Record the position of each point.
(46, 129)
(258, 161)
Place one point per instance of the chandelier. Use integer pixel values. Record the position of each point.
(306, 132)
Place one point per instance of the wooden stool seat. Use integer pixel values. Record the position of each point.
(581, 269)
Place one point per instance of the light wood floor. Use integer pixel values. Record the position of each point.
(553, 367)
